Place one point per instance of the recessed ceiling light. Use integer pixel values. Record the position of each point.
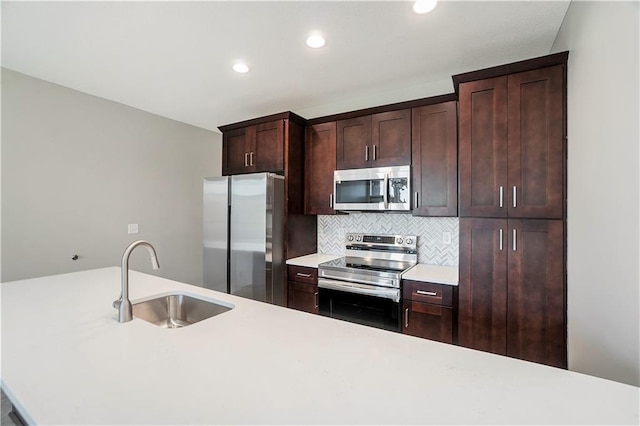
(240, 67)
(424, 6)
(315, 40)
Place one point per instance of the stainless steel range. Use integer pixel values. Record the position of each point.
(364, 286)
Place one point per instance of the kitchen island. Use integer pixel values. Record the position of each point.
(66, 360)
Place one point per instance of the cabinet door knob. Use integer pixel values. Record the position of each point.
(316, 296)
(331, 200)
(251, 158)
(515, 244)
(366, 153)
(406, 317)
(500, 237)
(515, 197)
(415, 200)
(246, 159)
(501, 197)
(374, 153)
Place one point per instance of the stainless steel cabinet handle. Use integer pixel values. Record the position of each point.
(501, 197)
(406, 318)
(415, 200)
(385, 194)
(316, 296)
(246, 159)
(251, 158)
(515, 244)
(500, 239)
(366, 153)
(300, 274)
(374, 153)
(331, 200)
(515, 195)
(427, 293)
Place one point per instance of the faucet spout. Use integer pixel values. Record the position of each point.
(125, 310)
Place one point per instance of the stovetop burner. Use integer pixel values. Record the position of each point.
(377, 260)
(380, 265)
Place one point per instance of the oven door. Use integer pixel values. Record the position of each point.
(360, 303)
(383, 188)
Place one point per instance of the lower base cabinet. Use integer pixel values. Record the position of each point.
(428, 311)
(512, 290)
(302, 289)
(428, 321)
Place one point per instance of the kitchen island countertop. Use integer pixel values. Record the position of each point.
(66, 360)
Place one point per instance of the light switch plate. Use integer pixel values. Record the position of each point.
(132, 228)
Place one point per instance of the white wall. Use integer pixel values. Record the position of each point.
(603, 188)
(76, 169)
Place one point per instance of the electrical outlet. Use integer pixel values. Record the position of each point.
(132, 228)
(446, 237)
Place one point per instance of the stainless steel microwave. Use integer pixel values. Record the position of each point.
(377, 189)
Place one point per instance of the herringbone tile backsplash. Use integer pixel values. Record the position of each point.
(430, 232)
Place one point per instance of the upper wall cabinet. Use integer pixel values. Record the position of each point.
(435, 160)
(274, 143)
(320, 162)
(512, 139)
(376, 140)
(254, 148)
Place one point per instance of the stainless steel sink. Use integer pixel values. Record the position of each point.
(176, 310)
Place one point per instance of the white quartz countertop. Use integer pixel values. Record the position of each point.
(433, 274)
(311, 260)
(66, 360)
(421, 272)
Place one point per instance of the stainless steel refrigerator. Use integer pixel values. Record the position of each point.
(244, 236)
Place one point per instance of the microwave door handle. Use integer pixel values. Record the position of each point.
(385, 194)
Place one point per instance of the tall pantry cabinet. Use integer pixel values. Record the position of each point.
(512, 170)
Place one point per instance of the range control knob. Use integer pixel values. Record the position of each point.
(409, 240)
(358, 238)
(399, 240)
(350, 238)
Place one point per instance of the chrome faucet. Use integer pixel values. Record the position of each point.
(123, 305)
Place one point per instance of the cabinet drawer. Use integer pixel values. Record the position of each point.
(428, 321)
(302, 275)
(437, 294)
(303, 297)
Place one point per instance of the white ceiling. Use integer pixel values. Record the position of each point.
(174, 58)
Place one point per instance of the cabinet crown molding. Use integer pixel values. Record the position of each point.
(287, 115)
(512, 68)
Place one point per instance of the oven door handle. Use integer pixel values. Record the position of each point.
(377, 282)
(387, 293)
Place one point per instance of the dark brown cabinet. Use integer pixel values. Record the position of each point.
(320, 162)
(511, 136)
(435, 160)
(512, 170)
(428, 310)
(377, 140)
(391, 138)
(255, 148)
(275, 143)
(482, 298)
(303, 288)
(512, 288)
(353, 143)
